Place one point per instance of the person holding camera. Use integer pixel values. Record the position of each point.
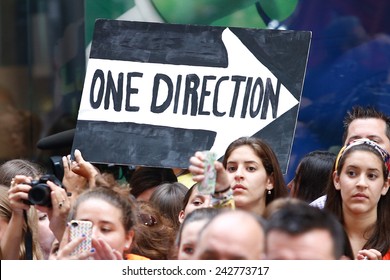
(46, 196)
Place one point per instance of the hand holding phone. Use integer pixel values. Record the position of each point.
(78, 229)
(207, 186)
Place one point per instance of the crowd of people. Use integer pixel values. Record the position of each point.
(337, 207)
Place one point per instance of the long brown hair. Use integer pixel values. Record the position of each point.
(154, 234)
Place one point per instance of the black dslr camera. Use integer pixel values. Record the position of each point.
(39, 194)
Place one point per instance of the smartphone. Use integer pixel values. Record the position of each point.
(207, 186)
(80, 228)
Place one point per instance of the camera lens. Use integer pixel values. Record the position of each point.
(40, 195)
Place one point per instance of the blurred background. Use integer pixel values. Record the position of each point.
(44, 46)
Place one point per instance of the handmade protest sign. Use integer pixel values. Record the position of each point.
(156, 93)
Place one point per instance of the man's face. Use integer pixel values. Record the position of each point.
(231, 237)
(373, 129)
(316, 244)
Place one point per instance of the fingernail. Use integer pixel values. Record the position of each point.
(93, 250)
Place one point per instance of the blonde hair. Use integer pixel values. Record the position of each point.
(32, 225)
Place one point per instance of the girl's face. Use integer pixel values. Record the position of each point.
(249, 180)
(107, 223)
(196, 201)
(189, 236)
(361, 182)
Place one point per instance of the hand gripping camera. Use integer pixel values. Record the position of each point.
(39, 194)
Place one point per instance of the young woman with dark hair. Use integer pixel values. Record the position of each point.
(358, 195)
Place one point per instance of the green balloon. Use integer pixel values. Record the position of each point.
(198, 11)
(239, 13)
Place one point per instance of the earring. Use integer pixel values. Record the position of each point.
(269, 192)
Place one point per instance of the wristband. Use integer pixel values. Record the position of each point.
(223, 191)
